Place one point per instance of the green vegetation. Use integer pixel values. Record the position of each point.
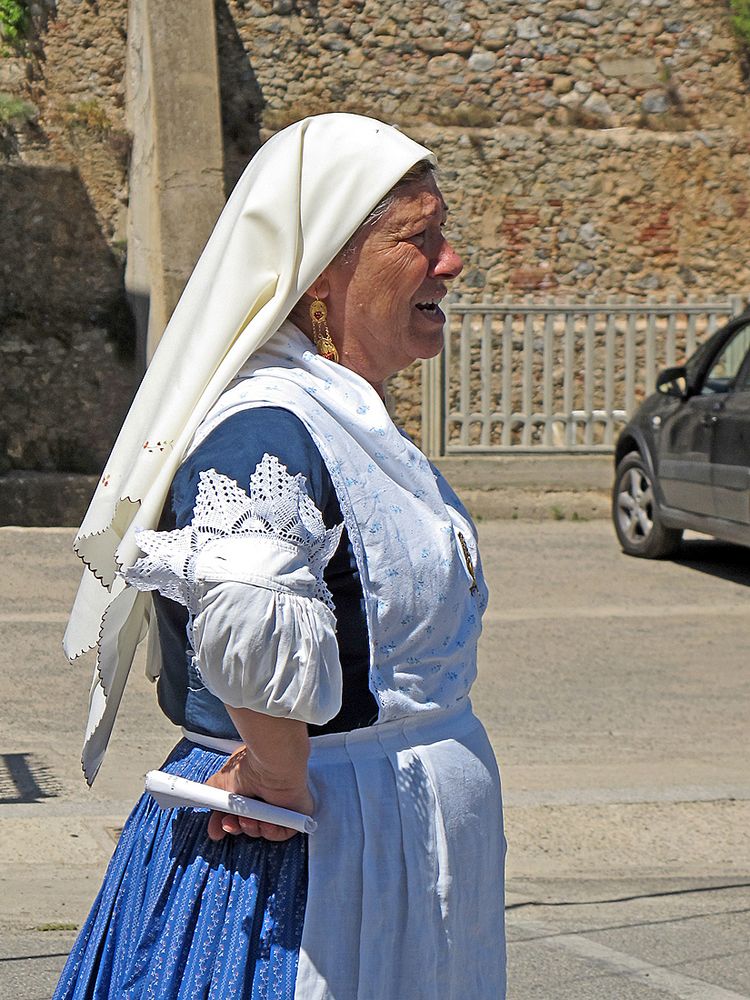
(15, 110)
(741, 18)
(14, 19)
(61, 926)
(89, 115)
(88, 120)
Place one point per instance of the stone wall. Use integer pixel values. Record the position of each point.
(486, 63)
(67, 338)
(623, 212)
(587, 147)
(63, 381)
(71, 73)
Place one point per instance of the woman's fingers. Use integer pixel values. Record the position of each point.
(269, 831)
(238, 776)
(272, 832)
(220, 824)
(231, 824)
(215, 829)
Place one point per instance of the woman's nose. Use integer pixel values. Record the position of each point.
(448, 263)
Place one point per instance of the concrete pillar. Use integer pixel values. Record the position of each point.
(176, 172)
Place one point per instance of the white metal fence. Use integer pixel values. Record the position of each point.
(562, 378)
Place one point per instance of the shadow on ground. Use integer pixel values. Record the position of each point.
(25, 778)
(720, 559)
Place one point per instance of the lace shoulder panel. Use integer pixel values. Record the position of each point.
(276, 506)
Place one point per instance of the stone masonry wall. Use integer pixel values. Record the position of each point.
(587, 147)
(67, 372)
(486, 63)
(77, 84)
(623, 212)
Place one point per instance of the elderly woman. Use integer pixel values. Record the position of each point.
(315, 598)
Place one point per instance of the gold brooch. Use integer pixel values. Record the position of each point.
(474, 588)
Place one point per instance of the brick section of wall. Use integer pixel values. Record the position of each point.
(554, 212)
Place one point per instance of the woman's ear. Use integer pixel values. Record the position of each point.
(300, 314)
(321, 287)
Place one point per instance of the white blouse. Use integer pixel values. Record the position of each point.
(249, 570)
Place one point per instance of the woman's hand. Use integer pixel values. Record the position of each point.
(272, 766)
(240, 776)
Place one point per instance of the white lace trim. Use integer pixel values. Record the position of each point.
(276, 506)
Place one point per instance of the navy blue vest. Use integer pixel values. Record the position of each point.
(234, 448)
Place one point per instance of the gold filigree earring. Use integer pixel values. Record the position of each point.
(321, 333)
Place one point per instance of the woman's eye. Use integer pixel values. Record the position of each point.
(418, 239)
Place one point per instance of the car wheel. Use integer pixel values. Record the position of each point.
(635, 512)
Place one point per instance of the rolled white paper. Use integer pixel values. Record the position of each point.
(170, 790)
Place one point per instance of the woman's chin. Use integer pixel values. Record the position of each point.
(431, 345)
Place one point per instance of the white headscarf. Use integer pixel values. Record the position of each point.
(295, 206)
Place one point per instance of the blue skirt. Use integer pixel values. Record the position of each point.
(179, 916)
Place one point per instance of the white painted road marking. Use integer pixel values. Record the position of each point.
(619, 611)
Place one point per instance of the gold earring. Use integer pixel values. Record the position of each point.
(320, 331)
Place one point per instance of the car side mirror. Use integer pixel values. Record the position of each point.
(673, 381)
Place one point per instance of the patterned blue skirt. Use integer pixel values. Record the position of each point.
(179, 916)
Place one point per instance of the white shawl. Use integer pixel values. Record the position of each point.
(293, 209)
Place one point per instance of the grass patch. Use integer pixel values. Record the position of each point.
(55, 926)
(558, 513)
(15, 110)
(741, 19)
(89, 115)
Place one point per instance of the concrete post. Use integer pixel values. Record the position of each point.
(176, 172)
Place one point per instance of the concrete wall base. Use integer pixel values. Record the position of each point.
(527, 487)
(44, 499)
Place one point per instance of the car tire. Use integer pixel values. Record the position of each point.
(636, 515)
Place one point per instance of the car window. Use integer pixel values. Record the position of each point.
(742, 383)
(694, 364)
(727, 364)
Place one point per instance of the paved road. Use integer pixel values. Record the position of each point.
(615, 693)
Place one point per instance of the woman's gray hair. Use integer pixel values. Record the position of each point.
(420, 171)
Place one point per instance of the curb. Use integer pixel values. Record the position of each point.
(536, 505)
(44, 499)
(524, 487)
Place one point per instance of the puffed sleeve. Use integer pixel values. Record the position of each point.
(249, 569)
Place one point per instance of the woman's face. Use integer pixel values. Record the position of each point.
(383, 297)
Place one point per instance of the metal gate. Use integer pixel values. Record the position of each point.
(555, 378)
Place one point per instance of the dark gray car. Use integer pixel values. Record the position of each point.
(683, 461)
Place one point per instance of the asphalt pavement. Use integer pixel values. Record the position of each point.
(615, 692)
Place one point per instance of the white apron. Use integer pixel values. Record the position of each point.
(405, 897)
